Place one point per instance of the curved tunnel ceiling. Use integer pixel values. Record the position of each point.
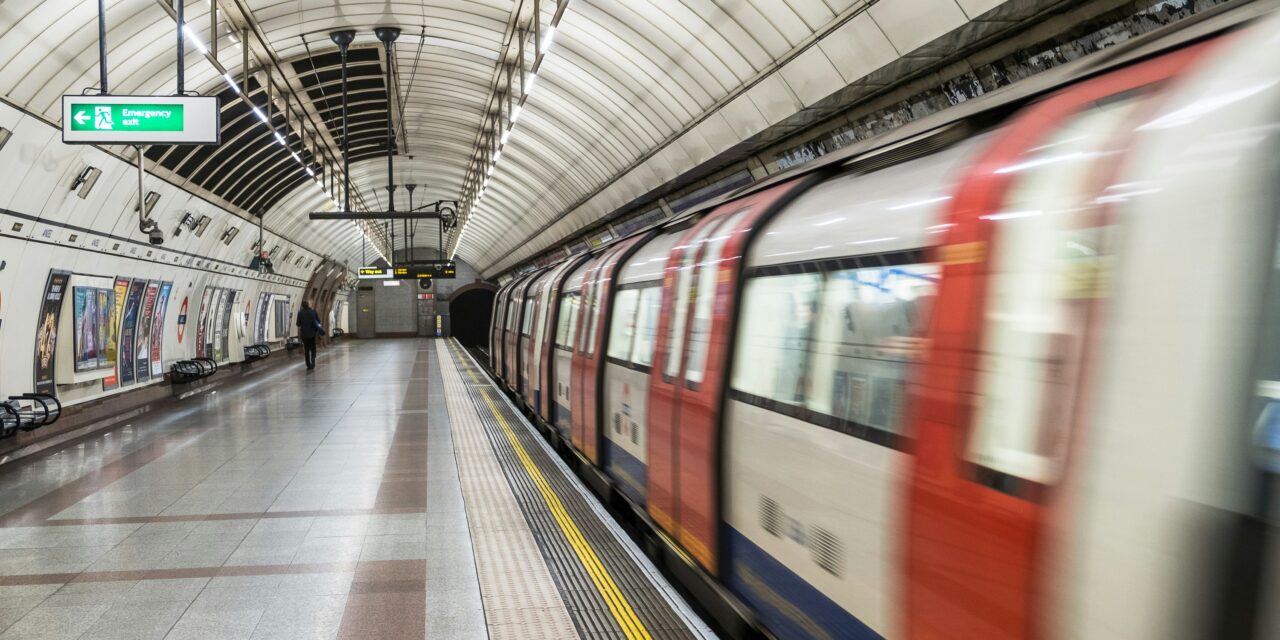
(621, 80)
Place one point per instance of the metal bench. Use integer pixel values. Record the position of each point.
(44, 409)
(191, 370)
(256, 352)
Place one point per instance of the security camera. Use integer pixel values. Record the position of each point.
(155, 236)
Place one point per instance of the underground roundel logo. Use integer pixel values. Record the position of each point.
(182, 319)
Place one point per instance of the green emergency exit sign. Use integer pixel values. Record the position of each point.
(141, 120)
(126, 117)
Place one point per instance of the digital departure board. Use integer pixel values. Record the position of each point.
(413, 271)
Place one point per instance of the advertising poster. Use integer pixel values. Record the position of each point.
(105, 307)
(211, 334)
(200, 324)
(113, 333)
(142, 339)
(264, 305)
(55, 288)
(128, 328)
(157, 330)
(224, 328)
(84, 307)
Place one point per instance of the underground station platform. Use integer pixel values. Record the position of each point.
(393, 492)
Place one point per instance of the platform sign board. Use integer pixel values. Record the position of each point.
(94, 119)
(412, 271)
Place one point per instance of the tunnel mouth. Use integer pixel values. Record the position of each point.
(470, 312)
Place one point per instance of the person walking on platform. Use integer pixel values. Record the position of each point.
(308, 328)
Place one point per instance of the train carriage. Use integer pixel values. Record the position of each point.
(1012, 377)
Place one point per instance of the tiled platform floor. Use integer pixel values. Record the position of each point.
(293, 504)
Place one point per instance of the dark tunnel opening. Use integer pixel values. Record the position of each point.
(469, 314)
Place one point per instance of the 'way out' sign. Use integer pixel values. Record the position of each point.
(140, 120)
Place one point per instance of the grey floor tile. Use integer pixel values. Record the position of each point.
(54, 622)
(136, 621)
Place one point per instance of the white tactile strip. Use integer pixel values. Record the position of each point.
(454, 608)
(520, 597)
(653, 608)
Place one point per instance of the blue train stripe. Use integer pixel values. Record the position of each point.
(560, 418)
(790, 606)
(631, 474)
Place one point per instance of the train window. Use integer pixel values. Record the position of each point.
(528, 316)
(1048, 265)
(623, 323)
(567, 321)
(778, 314)
(870, 331)
(647, 325)
(705, 295)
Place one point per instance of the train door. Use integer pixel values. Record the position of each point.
(496, 320)
(1024, 273)
(598, 291)
(510, 332)
(568, 318)
(691, 387)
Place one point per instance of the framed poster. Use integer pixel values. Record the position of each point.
(106, 305)
(142, 340)
(157, 330)
(84, 339)
(55, 288)
(260, 331)
(200, 324)
(128, 329)
(113, 336)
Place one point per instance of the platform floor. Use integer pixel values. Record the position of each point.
(393, 492)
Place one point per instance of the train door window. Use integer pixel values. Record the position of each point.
(511, 315)
(587, 309)
(527, 322)
(778, 315)
(567, 321)
(1048, 265)
(705, 295)
(597, 302)
(539, 331)
(684, 284)
(869, 332)
(623, 323)
(650, 305)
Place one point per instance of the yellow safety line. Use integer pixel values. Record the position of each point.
(618, 605)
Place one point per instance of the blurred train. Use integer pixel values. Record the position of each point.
(1009, 372)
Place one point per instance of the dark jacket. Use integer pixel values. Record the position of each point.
(308, 321)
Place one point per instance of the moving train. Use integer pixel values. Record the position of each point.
(1009, 372)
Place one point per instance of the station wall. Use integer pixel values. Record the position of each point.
(45, 226)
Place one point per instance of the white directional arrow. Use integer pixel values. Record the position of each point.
(81, 117)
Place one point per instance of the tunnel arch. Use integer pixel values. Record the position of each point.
(470, 308)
